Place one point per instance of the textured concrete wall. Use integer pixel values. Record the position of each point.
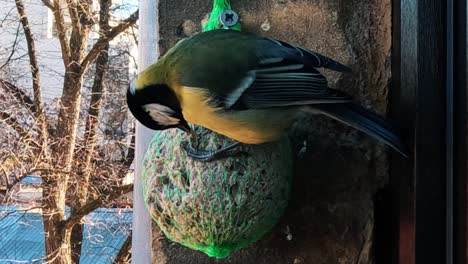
(330, 217)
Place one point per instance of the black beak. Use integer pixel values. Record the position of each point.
(184, 126)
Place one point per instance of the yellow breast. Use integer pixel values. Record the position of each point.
(249, 126)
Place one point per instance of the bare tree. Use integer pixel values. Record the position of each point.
(69, 155)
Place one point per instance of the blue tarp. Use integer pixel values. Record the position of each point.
(32, 179)
(22, 235)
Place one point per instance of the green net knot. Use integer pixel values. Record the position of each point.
(214, 21)
(218, 251)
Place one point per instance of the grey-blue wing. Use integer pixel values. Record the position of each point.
(257, 73)
(285, 75)
(294, 84)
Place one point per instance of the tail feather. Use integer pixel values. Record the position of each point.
(326, 62)
(364, 120)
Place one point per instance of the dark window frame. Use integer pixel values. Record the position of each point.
(422, 216)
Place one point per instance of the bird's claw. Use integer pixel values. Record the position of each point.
(193, 138)
(192, 150)
(211, 155)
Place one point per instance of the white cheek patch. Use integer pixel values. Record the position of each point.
(161, 114)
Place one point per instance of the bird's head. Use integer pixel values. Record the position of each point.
(156, 106)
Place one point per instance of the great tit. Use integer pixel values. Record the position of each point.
(246, 87)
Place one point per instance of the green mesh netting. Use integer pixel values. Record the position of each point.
(216, 207)
(213, 22)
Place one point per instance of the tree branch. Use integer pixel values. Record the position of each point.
(13, 49)
(76, 37)
(128, 160)
(105, 39)
(32, 54)
(19, 95)
(94, 204)
(42, 119)
(79, 11)
(86, 13)
(87, 150)
(13, 123)
(124, 254)
(61, 31)
(72, 10)
(92, 122)
(24, 134)
(48, 4)
(47, 171)
(9, 185)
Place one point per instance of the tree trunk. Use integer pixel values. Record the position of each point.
(87, 152)
(124, 255)
(55, 187)
(68, 118)
(76, 242)
(57, 239)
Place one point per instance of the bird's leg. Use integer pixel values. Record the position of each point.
(211, 155)
(192, 150)
(193, 138)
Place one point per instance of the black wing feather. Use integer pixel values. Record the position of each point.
(298, 86)
(286, 75)
(259, 73)
(317, 60)
(366, 121)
